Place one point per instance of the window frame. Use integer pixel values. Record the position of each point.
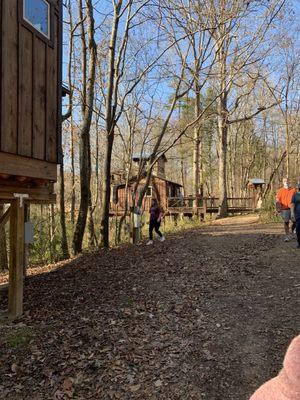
(27, 24)
(151, 191)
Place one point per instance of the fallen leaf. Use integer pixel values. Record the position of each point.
(14, 368)
(134, 388)
(58, 395)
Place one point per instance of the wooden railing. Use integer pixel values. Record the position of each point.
(233, 202)
(192, 204)
(184, 202)
(210, 203)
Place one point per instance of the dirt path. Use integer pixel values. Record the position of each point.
(205, 315)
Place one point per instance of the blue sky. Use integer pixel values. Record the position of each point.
(103, 10)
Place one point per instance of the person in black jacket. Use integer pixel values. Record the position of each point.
(155, 221)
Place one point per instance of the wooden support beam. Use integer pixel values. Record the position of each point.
(35, 195)
(11, 164)
(5, 217)
(15, 294)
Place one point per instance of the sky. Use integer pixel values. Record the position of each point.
(102, 15)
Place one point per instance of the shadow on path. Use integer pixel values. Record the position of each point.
(205, 315)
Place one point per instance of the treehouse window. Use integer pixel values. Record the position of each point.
(37, 14)
(149, 191)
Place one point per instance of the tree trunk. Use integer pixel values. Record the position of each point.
(123, 217)
(87, 110)
(287, 145)
(196, 162)
(196, 152)
(223, 131)
(182, 168)
(110, 118)
(64, 239)
(201, 168)
(183, 177)
(92, 238)
(73, 193)
(71, 73)
(85, 176)
(106, 192)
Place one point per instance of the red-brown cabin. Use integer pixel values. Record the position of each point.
(160, 188)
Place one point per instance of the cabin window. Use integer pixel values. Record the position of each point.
(114, 194)
(37, 14)
(149, 191)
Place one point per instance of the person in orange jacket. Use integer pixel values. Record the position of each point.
(283, 206)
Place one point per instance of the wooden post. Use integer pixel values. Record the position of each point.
(15, 296)
(136, 228)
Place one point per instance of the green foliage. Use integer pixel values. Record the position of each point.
(46, 247)
(130, 302)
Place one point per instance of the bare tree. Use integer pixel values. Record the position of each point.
(236, 56)
(89, 57)
(123, 76)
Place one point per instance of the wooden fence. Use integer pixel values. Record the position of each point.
(208, 204)
(193, 205)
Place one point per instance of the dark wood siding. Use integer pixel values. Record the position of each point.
(30, 106)
(159, 191)
(39, 101)
(9, 76)
(25, 93)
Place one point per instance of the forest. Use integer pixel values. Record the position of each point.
(187, 110)
(211, 85)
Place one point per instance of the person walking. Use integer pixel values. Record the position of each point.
(295, 212)
(283, 205)
(155, 221)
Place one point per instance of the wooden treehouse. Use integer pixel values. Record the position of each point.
(160, 187)
(30, 116)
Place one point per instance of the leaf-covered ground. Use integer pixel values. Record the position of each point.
(205, 315)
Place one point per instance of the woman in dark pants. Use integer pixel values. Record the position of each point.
(155, 220)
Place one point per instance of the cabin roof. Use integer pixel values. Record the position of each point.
(167, 180)
(256, 181)
(134, 178)
(146, 156)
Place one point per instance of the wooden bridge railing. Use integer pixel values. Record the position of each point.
(233, 202)
(210, 203)
(203, 205)
(183, 202)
